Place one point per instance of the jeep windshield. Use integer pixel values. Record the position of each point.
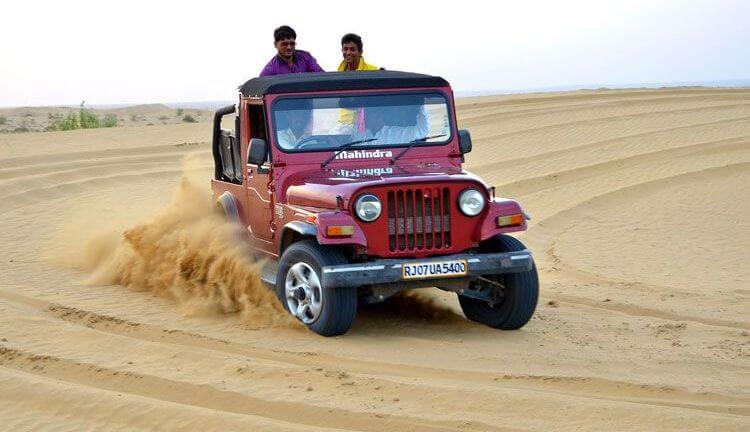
(326, 123)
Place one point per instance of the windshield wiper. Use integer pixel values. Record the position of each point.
(412, 144)
(344, 147)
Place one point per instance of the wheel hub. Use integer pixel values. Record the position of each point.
(304, 296)
(300, 294)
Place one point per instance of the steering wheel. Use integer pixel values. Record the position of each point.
(307, 141)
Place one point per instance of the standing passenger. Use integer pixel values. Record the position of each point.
(351, 48)
(289, 59)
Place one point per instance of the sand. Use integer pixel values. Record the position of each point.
(640, 231)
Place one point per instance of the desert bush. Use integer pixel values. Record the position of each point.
(88, 120)
(110, 120)
(133, 117)
(179, 112)
(163, 118)
(188, 119)
(51, 123)
(21, 129)
(3, 120)
(69, 123)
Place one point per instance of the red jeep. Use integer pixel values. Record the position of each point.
(351, 183)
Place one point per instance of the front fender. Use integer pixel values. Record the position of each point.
(326, 219)
(500, 207)
(295, 230)
(303, 228)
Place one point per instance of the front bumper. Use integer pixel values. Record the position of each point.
(389, 271)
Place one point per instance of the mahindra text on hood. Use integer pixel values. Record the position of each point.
(319, 187)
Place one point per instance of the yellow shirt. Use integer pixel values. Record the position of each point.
(362, 66)
(347, 116)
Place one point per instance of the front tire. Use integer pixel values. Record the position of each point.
(326, 311)
(518, 299)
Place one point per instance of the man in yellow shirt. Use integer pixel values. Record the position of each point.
(351, 48)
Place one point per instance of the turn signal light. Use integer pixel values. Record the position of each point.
(339, 230)
(515, 219)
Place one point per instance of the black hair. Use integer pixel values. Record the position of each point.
(284, 32)
(351, 37)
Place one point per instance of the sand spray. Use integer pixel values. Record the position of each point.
(189, 252)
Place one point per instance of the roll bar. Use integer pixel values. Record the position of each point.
(221, 112)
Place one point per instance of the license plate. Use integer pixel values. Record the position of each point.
(436, 269)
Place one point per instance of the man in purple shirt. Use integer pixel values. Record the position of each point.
(289, 60)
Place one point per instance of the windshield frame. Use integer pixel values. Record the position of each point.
(421, 91)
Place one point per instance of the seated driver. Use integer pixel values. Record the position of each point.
(293, 126)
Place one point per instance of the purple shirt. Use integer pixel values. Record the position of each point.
(303, 61)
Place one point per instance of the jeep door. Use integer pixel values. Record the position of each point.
(260, 197)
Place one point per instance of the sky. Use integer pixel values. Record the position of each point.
(107, 52)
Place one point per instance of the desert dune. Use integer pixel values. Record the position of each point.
(126, 305)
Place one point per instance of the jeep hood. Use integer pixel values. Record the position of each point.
(320, 187)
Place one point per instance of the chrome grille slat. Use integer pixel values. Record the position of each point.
(418, 219)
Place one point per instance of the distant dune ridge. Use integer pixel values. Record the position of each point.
(48, 119)
(640, 230)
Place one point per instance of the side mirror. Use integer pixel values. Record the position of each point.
(258, 151)
(464, 141)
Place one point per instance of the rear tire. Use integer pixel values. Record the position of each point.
(226, 205)
(519, 297)
(326, 311)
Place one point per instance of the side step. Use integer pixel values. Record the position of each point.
(268, 275)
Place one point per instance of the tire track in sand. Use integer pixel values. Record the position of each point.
(583, 387)
(532, 185)
(207, 396)
(548, 229)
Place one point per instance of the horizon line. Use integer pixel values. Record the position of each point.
(727, 83)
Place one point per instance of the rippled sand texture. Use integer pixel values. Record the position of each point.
(641, 232)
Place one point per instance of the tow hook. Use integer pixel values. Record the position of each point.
(498, 291)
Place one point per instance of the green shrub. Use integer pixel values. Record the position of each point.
(70, 122)
(188, 119)
(110, 120)
(88, 120)
(85, 119)
(133, 117)
(163, 118)
(52, 123)
(179, 112)
(3, 120)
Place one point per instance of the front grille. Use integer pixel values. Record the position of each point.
(419, 219)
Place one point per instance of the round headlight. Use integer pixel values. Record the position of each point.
(368, 207)
(471, 202)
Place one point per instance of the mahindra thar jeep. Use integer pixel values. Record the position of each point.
(351, 185)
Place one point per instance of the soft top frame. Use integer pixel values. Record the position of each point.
(334, 81)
